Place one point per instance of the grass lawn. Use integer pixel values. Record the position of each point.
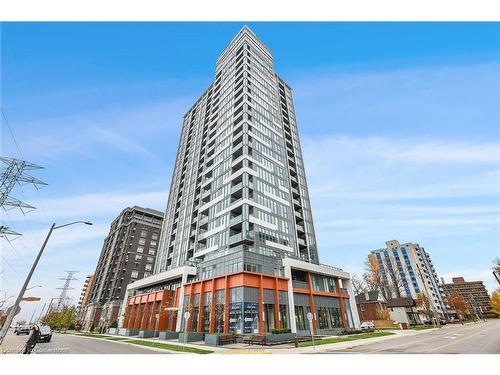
(335, 340)
(176, 348)
(96, 335)
(419, 328)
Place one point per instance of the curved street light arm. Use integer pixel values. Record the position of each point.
(73, 222)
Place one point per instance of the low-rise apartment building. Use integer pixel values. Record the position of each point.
(474, 293)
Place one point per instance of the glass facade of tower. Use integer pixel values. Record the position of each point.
(239, 181)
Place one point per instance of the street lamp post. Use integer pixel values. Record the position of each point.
(13, 311)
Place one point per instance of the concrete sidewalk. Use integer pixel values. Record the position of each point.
(243, 348)
(12, 343)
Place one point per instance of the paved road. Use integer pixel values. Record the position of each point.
(478, 338)
(69, 344)
(83, 345)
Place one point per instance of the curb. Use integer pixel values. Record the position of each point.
(131, 344)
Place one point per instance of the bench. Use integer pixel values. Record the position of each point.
(227, 339)
(256, 339)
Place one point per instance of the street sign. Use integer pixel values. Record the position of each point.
(31, 299)
(171, 309)
(311, 327)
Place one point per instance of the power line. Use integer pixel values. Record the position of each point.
(17, 253)
(33, 233)
(11, 133)
(11, 267)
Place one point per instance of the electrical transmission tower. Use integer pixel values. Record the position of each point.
(14, 172)
(63, 297)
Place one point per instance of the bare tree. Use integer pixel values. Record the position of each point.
(3, 299)
(358, 284)
(395, 281)
(424, 304)
(219, 316)
(496, 271)
(373, 277)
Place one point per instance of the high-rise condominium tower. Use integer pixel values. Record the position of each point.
(238, 232)
(239, 177)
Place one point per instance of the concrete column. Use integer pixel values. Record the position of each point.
(291, 304)
(212, 309)
(352, 301)
(277, 322)
(180, 316)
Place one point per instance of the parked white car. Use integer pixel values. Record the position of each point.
(367, 326)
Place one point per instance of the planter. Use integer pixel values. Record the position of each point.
(280, 337)
(190, 336)
(113, 331)
(131, 332)
(169, 335)
(147, 334)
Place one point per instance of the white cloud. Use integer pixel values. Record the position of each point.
(362, 195)
(410, 151)
(89, 206)
(89, 135)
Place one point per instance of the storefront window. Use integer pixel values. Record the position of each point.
(301, 317)
(207, 302)
(195, 312)
(269, 317)
(236, 317)
(328, 312)
(328, 317)
(219, 310)
(236, 310)
(251, 317)
(284, 317)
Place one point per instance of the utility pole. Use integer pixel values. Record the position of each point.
(64, 289)
(32, 316)
(474, 306)
(436, 320)
(41, 312)
(14, 311)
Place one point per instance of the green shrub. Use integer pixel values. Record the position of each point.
(114, 324)
(282, 330)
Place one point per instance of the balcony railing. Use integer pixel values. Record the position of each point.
(300, 284)
(234, 239)
(236, 187)
(235, 220)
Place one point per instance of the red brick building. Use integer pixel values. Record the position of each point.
(370, 305)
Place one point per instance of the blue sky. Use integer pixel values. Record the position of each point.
(400, 128)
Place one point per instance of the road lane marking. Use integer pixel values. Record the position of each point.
(417, 341)
(456, 342)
